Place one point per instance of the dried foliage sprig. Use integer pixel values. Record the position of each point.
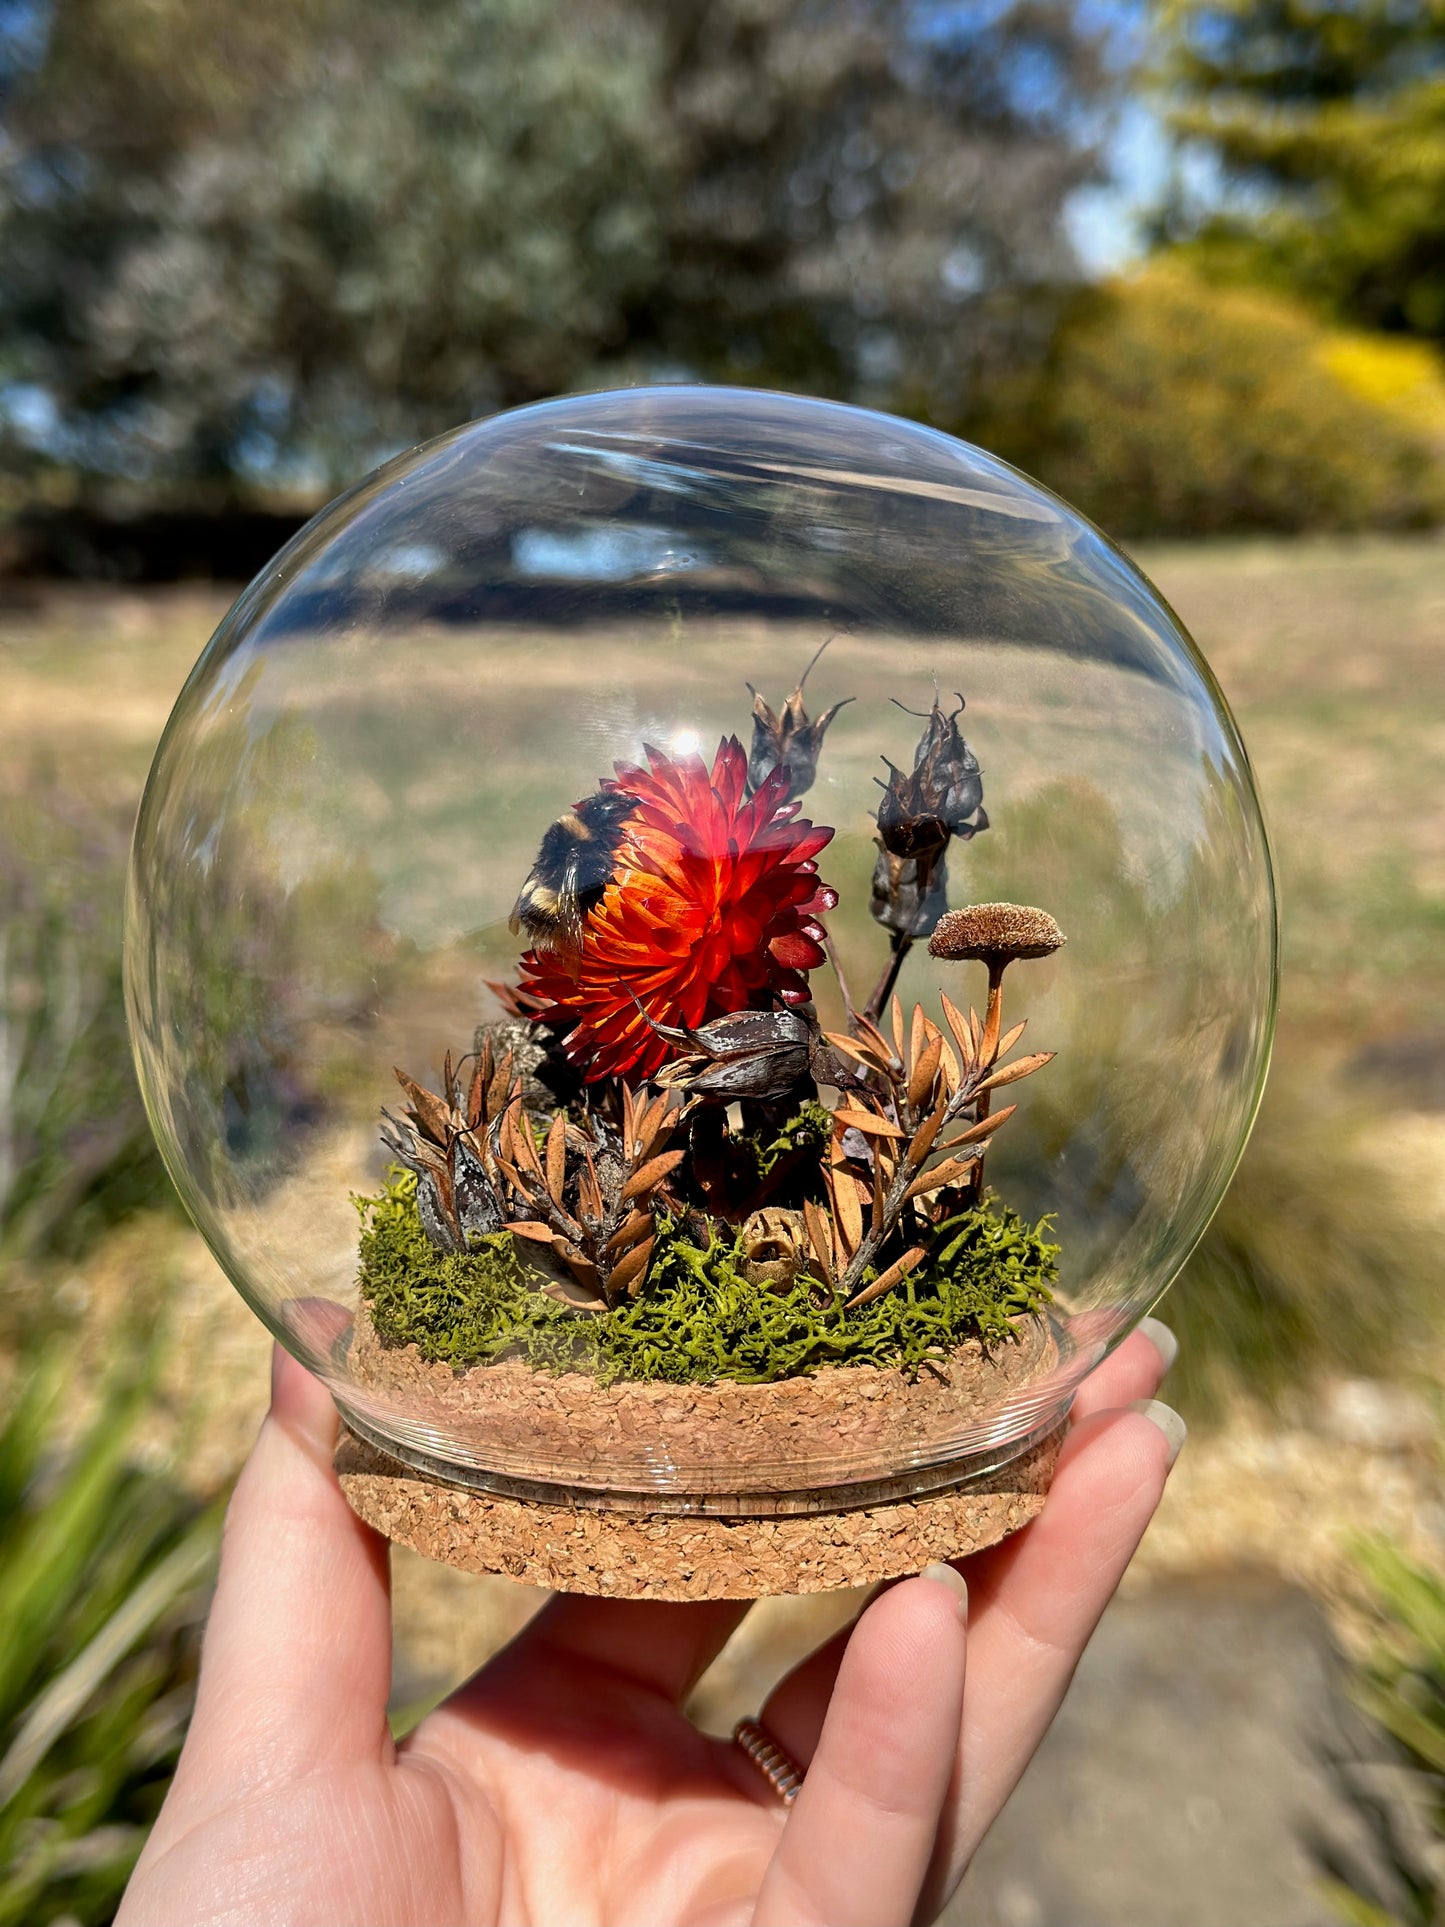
(446, 1141)
(590, 1192)
(924, 1084)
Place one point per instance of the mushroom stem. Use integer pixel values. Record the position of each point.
(992, 1023)
(988, 1047)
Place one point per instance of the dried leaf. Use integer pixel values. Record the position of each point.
(868, 1122)
(897, 1028)
(627, 1274)
(993, 1017)
(847, 1212)
(876, 1227)
(524, 1146)
(557, 1157)
(575, 1295)
(427, 1153)
(949, 1172)
(958, 1024)
(986, 1126)
(652, 1173)
(529, 1228)
(499, 1086)
(629, 1232)
(629, 1123)
(917, 1036)
(1010, 1038)
(514, 1177)
(580, 1265)
(589, 1192)
(848, 1048)
(820, 1237)
(432, 1113)
(875, 1041)
(894, 1275)
(952, 1075)
(924, 1136)
(655, 1125)
(925, 1070)
(1020, 1067)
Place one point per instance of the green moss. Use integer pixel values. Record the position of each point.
(810, 1130)
(697, 1319)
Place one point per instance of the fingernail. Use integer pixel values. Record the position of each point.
(1168, 1421)
(278, 1365)
(951, 1577)
(1161, 1338)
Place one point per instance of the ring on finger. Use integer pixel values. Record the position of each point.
(773, 1761)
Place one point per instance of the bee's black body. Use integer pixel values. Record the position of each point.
(573, 868)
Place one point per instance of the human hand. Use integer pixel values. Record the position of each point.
(562, 1783)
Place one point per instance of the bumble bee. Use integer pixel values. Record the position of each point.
(573, 868)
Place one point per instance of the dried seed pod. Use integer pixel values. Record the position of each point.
(940, 798)
(761, 1054)
(791, 740)
(774, 1247)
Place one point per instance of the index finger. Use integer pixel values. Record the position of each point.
(296, 1664)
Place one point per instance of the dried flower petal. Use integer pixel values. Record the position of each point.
(713, 908)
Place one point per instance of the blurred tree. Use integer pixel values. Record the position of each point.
(266, 244)
(367, 222)
(870, 193)
(1327, 119)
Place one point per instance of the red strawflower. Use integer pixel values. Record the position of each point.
(712, 908)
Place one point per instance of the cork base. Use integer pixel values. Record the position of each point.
(657, 1556)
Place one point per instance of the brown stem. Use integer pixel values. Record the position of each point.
(843, 989)
(883, 989)
(872, 1244)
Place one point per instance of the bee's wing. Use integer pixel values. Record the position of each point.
(571, 916)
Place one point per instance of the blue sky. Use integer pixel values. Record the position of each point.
(1104, 222)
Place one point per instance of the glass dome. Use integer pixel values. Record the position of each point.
(592, 792)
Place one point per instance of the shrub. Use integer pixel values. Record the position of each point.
(1317, 1261)
(1171, 407)
(103, 1571)
(1395, 1779)
(76, 1152)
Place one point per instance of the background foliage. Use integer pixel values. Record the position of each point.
(246, 251)
(1327, 122)
(270, 244)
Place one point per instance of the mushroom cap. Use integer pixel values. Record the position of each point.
(994, 931)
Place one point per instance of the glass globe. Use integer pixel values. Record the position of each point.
(632, 797)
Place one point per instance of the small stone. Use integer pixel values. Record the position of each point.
(1379, 1416)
